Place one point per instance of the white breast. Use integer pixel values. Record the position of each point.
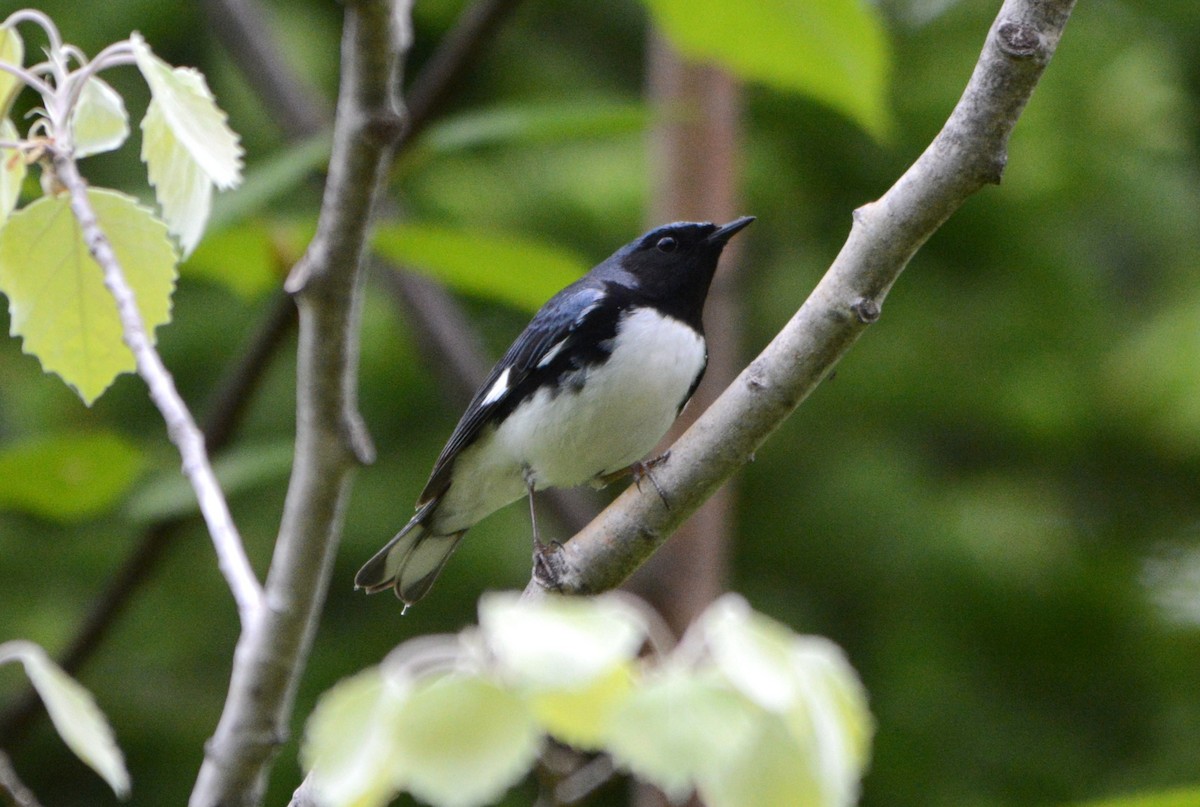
(624, 408)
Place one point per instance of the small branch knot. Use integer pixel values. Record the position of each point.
(1019, 40)
(383, 128)
(866, 309)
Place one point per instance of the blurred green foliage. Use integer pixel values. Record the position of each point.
(988, 507)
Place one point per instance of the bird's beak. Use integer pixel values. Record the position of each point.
(723, 234)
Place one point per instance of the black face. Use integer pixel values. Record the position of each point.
(674, 264)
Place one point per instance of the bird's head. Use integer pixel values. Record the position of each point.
(674, 264)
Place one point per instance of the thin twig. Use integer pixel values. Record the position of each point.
(12, 786)
(181, 428)
(330, 439)
(969, 153)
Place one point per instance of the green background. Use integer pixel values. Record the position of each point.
(994, 507)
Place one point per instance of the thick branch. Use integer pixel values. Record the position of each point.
(181, 427)
(330, 440)
(967, 154)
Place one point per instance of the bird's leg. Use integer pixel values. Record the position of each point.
(638, 471)
(547, 565)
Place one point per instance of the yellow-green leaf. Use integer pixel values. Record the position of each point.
(99, 122)
(12, 170)
(678, 724)
(463, 741)
(56, 294)
(581, 717)
(772, 769)
(74, 712)
(12, 51)
(834, 51)
(68, 477)
(560, 642)
(508, 268)
(349, 743)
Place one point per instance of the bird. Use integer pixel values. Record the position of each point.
(584, 393)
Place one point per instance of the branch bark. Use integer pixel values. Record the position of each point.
(330, 439)
(969, 153)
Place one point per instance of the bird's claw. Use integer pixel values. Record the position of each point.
(548, 565)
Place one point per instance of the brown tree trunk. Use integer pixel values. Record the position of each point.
(694, 159)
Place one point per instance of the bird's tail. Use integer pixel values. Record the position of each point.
(409, 563)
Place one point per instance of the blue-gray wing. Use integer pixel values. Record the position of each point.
(550, 333)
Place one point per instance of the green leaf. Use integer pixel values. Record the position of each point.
(463, 741)
(560, 642)
(349, 742)
(186, 145)
(679, 723)
(507, 268)
(271, 179)
(1185, 797)
(12, 170)
(538, 123)
(68, 477)
(834, 51)
(12, 51)
(245, 259)
(56, 294)
(74, 713)
(238, 470)
(99, 122)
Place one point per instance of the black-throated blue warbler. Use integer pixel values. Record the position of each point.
(586, 391)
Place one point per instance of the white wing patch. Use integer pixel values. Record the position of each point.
(498, 388)
(554, 350)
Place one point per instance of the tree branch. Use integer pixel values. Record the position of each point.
(967, 154)
(182, 429)
(330, 439)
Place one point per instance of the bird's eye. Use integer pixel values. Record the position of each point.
(666, 244)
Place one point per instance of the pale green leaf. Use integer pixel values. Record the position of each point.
(188, 109)
(581, 717)
(56, 294)
(805, 680)
(183, 190)
(349, 742)
(68, 477)
(76, 717)
(753, 651)
(463, 741)
(679, 723)
(833, 707)
(99, 122)
(12, 170)
(12, 51)
(834, 51)
(239, 469)
(772, 769)
(559, 642)
(507, 268)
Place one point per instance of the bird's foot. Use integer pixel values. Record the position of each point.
(641, 470)
(548, 565)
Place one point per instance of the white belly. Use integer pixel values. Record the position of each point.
(623, 410)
